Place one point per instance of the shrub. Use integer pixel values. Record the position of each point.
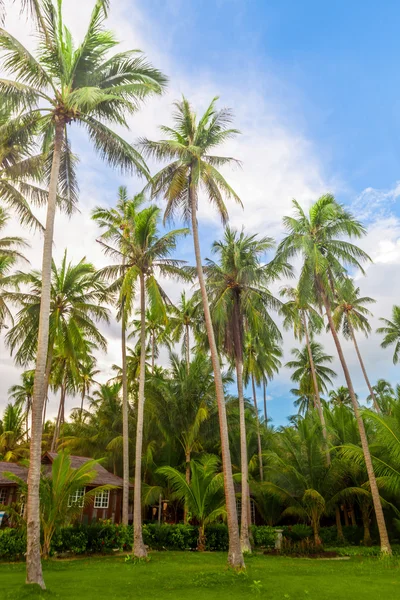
(70, 539)
(263, 536)
(297, 533)
(217, 537)
(12, 544)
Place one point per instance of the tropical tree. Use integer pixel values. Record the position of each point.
(156, 330)
(10, 253)
(204, 494)
(384, 395)
(240, 300)
(391, 331)
(113, 221)
(340, 396)
(13, 446)
(61, 500)
(64, 85)
(86, 374)
(142, 253)
(351, 315)
(304, 371)
(182, 318)
(22, 395)
(189, 146)
(318, 238)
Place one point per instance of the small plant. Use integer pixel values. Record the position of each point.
(256, 587)
(133, 560)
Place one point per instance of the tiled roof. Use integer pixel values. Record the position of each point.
(103, 476)
(8, 467)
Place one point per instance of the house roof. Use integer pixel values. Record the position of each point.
(103, 476)
(8, 467)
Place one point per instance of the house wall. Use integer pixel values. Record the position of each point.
(112, 513)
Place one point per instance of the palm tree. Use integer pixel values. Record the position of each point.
(87, 372)
(240, 300)
(12, 445)
(340, 396)
(143, 252)
(181, 319)
(384, 395)
(156, 330)
(69, 84)
(350, 315)
(112, 222)
(22, 395)
(305, 370)
(189, 146)
(10, 254)
(318, 238)
(204, 494)
(391, 330)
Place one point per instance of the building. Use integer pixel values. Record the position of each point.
(106, 505)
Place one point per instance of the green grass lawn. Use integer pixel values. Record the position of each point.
(192, 576)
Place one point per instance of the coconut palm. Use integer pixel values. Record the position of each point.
(240, 300)
(391, 331)
(181, 319)
(142, 253)
(204, 494)
(384, 395)
(112, 221)
(10, 253)
(22, 395)
(156, 330)
(193, 167)
(65, 85)
(305, 320)
(351, 315)
(87, 372)
(13, 445)
(340, 396)
(318, 238)
(303, 371)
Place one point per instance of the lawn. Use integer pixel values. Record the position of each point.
(192, 576)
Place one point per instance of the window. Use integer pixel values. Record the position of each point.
(76, 499)
(252, 510)
(101, 499)
(3, 495)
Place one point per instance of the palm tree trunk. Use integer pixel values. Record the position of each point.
(339, 528)
(384, 539)
(235, 556)
(187, 476)
(260, 461)
(59, 419)
(265, 400)
(153, 351)
(49, 361)
(244, 463)
(367, 532)
(34, 572)
(125, 428)
(82, 401)
(139, 549)
(316, 391)
(187, 346)
(371, 391)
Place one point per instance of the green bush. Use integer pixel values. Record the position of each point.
(297, 533)
(70, 539)
(12, 544)
(217, 537)
(263, 536)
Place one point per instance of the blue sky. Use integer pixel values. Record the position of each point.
(315, 90)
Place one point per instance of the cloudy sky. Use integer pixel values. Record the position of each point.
(315, 92)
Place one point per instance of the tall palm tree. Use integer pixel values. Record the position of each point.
(10, 253)
(193, 167)
(22, 395)
(67, 85)
(300, 315)
(384, 395)
(87, 372)
(112, 221)
(156, 330)
(340, 396)
(142, 253)
(13, 445)
(181, 319)
(391, 330)
(318, 238)
(303, 373)
(351, 315)
(240, 300)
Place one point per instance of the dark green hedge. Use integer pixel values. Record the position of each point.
(103, 538)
